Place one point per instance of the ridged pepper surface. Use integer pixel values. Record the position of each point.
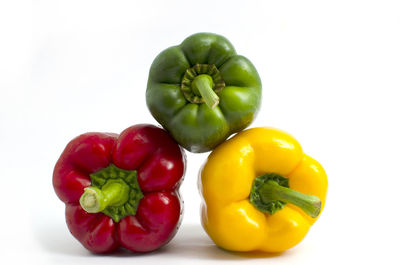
(121, 190)
(261, 192)
(201, 91)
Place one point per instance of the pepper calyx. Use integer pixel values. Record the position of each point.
(271, 192)
(198, 89)
(114, 192)
(256, 198)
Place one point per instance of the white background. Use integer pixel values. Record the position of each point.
(330, 73)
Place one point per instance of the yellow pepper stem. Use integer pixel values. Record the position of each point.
(271, 192)
(310, 204)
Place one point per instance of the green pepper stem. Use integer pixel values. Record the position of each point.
(114, 192)
(203, 83)
(271, 191)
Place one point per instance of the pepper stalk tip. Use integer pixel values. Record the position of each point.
(204, 84)
(90, 200)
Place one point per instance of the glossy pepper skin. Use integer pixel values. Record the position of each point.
(201, 91)
(134, 175)
(227, 182)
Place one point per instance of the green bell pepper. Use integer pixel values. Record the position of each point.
(201, 91)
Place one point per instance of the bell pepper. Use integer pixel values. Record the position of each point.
(260, 192)
(201, 91)
(121, 190)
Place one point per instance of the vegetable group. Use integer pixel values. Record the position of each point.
(201, 91)
(121, 190)
(261, 192)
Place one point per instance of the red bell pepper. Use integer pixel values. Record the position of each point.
(122, 190)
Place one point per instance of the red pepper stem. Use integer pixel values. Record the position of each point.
(113, 193)
(203, 84)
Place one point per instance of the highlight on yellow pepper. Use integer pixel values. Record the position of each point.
(260, 192)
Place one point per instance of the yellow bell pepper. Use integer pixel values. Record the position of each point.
(260, 192)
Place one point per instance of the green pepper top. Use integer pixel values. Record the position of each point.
(201, 91)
